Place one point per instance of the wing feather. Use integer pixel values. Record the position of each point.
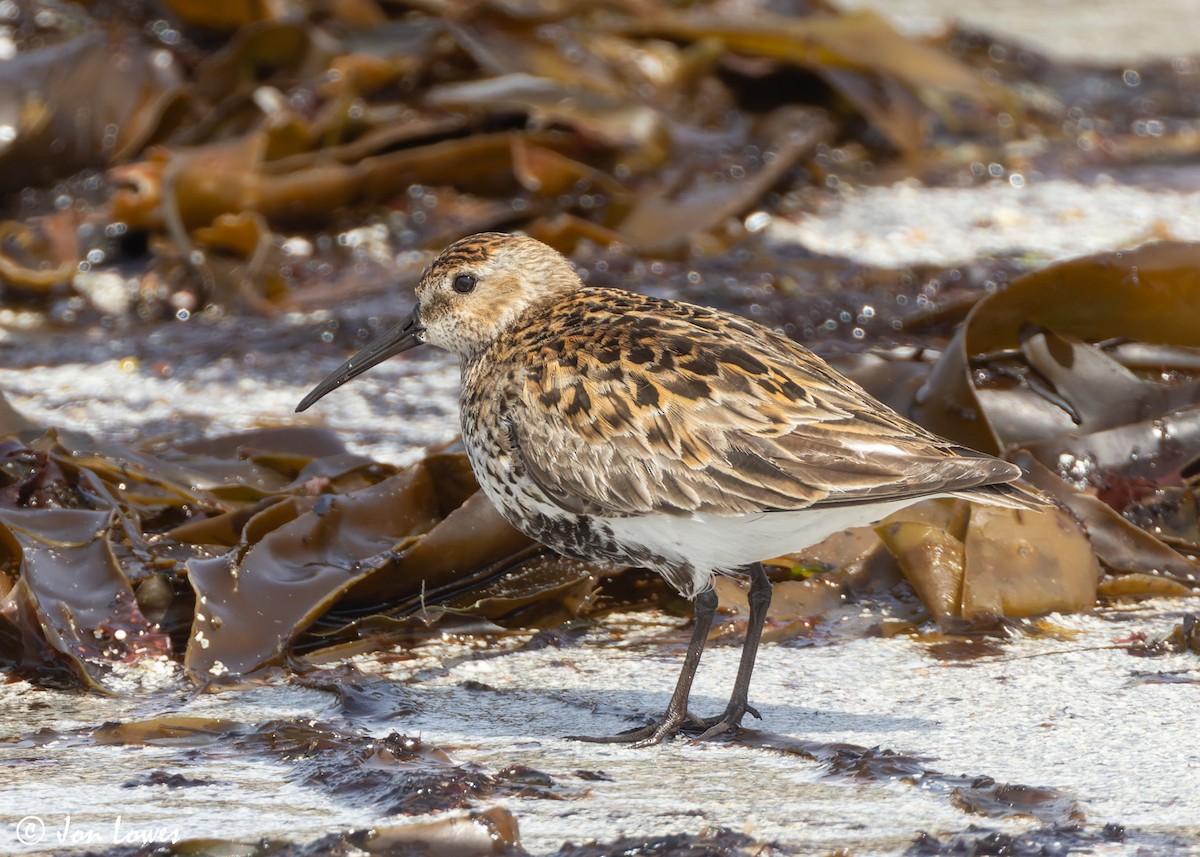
(680, 409)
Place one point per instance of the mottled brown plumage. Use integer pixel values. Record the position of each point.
(614, 426)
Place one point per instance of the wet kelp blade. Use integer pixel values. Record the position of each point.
(90, 98)
(1121, 546)
(1146, 294)
(882, 74)
(970, 561)
(1022, 372)
(424, 539)
(663, 220)
(979, 794)
(254, 599)
(272, 538)
(70, 580)
(306, 115)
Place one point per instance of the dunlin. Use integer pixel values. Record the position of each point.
(616, 427)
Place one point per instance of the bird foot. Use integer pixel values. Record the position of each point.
(672, 724)
(727, 723)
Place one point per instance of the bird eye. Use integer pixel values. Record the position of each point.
(464, 283)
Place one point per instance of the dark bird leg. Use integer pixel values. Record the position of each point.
(677, 711)
(739, 701)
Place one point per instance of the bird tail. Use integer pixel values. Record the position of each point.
(1008, 495)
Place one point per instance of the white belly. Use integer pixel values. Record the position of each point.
(712, 544)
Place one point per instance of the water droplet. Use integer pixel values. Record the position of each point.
(757, 221)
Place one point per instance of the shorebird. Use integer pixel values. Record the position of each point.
(611, 426)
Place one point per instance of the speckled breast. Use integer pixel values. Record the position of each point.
(501, 474)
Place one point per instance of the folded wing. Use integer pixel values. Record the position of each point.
(682, 410)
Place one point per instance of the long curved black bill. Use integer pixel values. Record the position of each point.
(405, 335)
